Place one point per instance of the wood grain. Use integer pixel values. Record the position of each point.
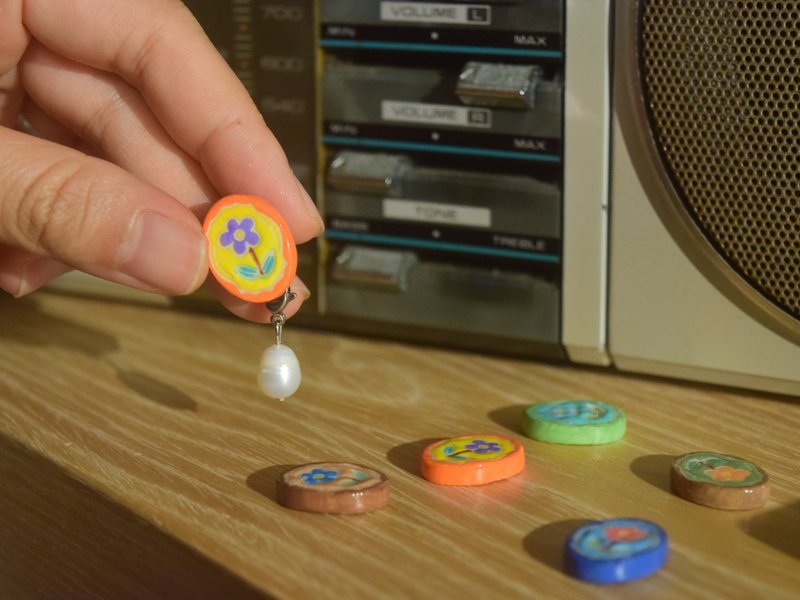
(134, 442)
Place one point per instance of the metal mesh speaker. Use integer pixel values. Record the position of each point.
(721, 86)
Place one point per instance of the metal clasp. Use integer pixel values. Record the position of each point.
(276, 307)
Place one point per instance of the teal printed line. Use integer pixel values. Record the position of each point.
(441, 148)
(373, 238)
(417, 47)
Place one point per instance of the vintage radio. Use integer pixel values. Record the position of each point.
(612, 183)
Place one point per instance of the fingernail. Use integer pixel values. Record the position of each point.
(12, 283)
(31, 275)
(164, 254)
(311, 207)
(39, 272)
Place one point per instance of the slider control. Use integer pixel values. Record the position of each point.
(374, 267)
(498, 85)
(366, 172)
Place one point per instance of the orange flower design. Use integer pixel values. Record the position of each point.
(726, 473)
(626, 533)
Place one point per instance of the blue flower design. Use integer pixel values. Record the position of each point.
(564, 411)
(576, 412)
(316, 476)
(482, 447)
(240, 234)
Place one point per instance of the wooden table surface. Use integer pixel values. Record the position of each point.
(138, 460)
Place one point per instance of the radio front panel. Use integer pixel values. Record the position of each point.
(442, 142)
(433, 136)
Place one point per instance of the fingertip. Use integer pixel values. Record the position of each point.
(22, 273)
(109, 223)
(246, 310)
(258, 312)
(40, 272)
(302, 293)
(164, 254)
(315, 225)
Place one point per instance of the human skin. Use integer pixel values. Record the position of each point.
(120, 125)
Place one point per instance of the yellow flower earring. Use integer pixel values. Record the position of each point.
(252, 254)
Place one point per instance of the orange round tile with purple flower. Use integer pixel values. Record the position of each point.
(250, 248)
(472, 460)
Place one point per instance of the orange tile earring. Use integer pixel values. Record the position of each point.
(253, 256)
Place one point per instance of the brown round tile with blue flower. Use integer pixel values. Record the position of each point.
(333, 488)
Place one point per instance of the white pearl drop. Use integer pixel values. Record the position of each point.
(279, 373)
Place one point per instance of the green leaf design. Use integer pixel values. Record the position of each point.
(247, 272)
(269, 263)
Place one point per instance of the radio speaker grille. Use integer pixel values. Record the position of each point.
(721, 86)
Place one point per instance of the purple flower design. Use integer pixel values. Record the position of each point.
(240, 234)
(315, 476)
(481, 447)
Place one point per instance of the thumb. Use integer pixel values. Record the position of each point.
(96, 217)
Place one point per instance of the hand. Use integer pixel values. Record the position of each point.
(140, 126)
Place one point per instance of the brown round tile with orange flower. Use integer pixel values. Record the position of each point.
(720, 481)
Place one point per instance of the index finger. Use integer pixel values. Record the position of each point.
(159, 48)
